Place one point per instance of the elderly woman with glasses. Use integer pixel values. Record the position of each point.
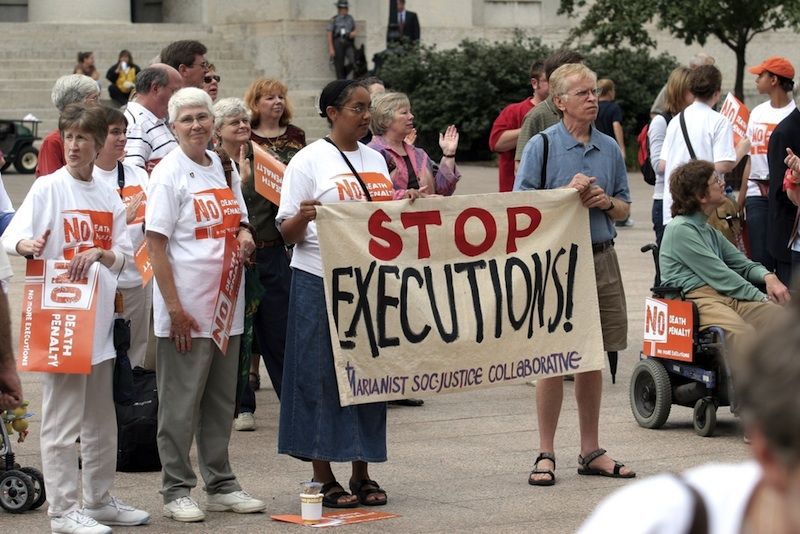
(313, 426)
(708, 269)
(69, 89)
(193, 215)
(268, 281)
(411, 167)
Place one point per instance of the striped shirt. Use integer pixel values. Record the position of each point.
(149, 138)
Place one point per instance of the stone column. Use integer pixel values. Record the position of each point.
(80, 11)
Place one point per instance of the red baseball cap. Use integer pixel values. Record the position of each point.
(776, 65)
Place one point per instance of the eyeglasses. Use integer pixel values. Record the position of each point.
(205, 65)
(207, 79)
(188, 120)
(358, 110)
(586, 92)
(717, 179)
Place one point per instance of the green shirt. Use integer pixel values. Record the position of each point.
(694, 254)
(540, 118)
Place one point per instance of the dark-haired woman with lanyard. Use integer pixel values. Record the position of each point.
(313, 426)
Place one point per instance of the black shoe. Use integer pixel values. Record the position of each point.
(407, 402)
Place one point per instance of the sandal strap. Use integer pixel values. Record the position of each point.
(372, 487)
(618, 467)
(591, 457)
(544, 456)
(331, 485)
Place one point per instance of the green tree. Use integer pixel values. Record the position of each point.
(619, 23)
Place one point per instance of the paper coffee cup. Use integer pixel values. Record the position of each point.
(311, 507)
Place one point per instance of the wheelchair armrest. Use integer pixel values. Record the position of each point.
(663, 291)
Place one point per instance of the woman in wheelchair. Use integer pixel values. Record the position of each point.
(709, 270)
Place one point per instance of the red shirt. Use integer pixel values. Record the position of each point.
(51, 154)
(509, 119)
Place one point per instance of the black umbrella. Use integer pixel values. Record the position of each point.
(613, 356)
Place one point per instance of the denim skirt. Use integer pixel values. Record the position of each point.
(313, 425)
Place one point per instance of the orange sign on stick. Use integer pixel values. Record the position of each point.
(143, 265)
(735, 111)
(225, 306)
(268, 174)
(57, 326)
(668, 329)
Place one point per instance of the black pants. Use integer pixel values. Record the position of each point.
(118, 96)
(269, 323)
(343, 49)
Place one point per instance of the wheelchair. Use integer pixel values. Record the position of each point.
(679, 364)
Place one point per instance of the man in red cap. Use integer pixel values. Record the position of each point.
(774, 79)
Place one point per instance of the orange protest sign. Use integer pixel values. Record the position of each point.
(143, 265)
(128, 193)
(225, 306)
(268, 174)
(57, 326)
(339, 517)
(737, 113)
(668, 329)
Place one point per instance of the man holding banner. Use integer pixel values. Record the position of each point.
(575, 146)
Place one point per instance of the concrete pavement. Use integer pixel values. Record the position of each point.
(461, 462)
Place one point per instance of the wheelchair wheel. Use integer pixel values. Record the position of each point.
(16, 491)
(39, 493)
(650, 393)
(705, 417)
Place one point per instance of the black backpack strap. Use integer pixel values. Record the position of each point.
(120, 177)
(686, 136)
(545, 154)
(699, 523)
(352, 169)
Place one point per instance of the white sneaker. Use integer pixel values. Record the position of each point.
(184, 509)
(116, 512)
(236, 501)
(77, 523)
(245, 422)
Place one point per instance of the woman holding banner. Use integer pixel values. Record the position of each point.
(70, 216)
(411, 167)
(313, 426)
(197, 231)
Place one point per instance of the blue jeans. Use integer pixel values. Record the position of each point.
(5, 219)
(657, 214)
(757, 210)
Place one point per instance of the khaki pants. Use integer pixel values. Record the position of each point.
(196, 399)
(78, 406)
(740, 319)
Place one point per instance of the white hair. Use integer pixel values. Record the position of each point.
(229, 107)
(73, 89)
(188, 97)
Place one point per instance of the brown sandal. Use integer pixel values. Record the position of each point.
(536, 471)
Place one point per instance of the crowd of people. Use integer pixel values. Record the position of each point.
(174, 173)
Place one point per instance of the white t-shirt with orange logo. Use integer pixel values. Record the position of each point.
(763, 119)
(318, 172)
(135, 182)
(194, 207)
(80, 215)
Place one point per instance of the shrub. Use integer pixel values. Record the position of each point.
(466, 86)
(470, 84)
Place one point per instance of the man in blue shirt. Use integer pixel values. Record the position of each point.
(580, 157)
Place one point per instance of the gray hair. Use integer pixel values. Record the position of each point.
(189, 97)
(73, 89)
(149, 76)
(558, 80)
(229, 107)
(383, 107)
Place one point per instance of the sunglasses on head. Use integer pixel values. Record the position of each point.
(208, 78)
